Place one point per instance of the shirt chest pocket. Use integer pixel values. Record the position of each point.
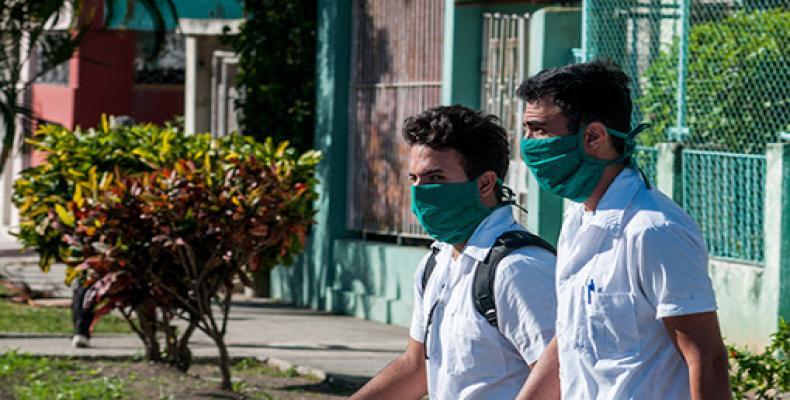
(474, 349)
(611, 325)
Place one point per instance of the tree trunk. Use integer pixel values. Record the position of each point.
(224, 362)
(146, 312)
(183, 356)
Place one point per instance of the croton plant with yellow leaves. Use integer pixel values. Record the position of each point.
(160, 225)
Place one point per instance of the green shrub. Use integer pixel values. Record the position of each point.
(738, 95)
(765, 375)
(276, 48)
(161, 225)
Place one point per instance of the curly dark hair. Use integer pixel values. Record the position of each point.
(587, 92)
(477, 137)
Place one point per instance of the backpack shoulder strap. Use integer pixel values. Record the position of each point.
(430, 265)
(483, 283)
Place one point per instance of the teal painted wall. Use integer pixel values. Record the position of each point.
(375, 280)
(307, 282)
(141, 20)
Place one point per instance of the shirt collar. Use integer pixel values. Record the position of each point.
(611, 208)
(498, 222)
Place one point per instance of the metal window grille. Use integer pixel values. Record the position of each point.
(504, 62)
(396, 72)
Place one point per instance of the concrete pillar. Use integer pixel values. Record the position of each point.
(197, 93)
(201, 41)
(463, 38)
(777, 225)
(669, 170)
(190, 83)
(309, 281)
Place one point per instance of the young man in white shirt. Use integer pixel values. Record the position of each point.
(636, 315)
(458, 158)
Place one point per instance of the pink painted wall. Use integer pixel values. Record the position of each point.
(157, 103)
(101, 81)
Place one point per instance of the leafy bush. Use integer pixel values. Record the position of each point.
(765, 375)
(738, 96)
(277, 69)
(162, 227)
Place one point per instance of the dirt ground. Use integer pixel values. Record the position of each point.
(251, 380)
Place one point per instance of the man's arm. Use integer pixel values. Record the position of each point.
(404, 378)
(544, 380)
(698, 339)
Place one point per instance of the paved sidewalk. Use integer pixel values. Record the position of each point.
(327, 345)
(337, 347)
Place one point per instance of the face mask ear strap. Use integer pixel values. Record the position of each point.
(628, 139)
(507, 195)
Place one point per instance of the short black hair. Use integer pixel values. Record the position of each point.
(479, 139)
(586, 92)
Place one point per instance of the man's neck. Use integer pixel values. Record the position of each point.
(609, 174)
(457, 249)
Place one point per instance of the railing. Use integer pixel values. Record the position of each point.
(724, 193)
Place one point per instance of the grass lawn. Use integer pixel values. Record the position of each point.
(22, 318)
(25, 377)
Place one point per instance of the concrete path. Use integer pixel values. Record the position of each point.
(327, 345)
(337, 347)
(322, 344)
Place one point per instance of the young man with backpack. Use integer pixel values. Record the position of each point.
(484, 304)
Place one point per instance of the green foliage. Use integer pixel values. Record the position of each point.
(276, 48)
(765, 375)
(74, 160)
(35, 378)
(152, 219)
(18, 318)
(738, 95)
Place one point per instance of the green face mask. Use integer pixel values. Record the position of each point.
(561, 166)
(449, 212)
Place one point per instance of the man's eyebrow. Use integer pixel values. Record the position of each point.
(429, 172)
(534, 122)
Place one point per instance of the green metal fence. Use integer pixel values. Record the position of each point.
(646, 159)
(723, 192)
(714, 76)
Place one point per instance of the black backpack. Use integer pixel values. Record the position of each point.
(483, 283)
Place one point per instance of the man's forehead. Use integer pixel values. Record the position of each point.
(425, 158)
(544, 106)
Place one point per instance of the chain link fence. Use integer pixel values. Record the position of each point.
(712, 74)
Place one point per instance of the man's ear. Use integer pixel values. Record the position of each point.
(595, 138)
(486, 183)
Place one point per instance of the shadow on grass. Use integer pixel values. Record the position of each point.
(340, 387)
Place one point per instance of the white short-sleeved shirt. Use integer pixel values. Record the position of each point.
(622, 268)
(467, 357)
